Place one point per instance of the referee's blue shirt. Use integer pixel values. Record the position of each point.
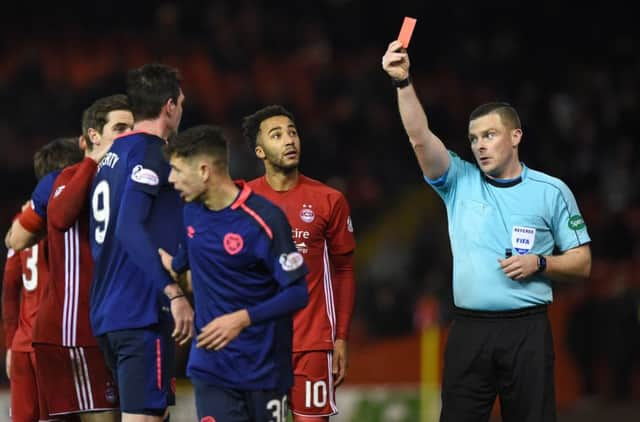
(534, 213)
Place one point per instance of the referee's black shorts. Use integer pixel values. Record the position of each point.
(505, 353)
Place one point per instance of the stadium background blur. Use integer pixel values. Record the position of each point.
(572, 73)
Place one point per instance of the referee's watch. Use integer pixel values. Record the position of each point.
(542, 264)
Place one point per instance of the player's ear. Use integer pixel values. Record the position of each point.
(94, 136)
(170, 106)
(259, 152)
(204, 170)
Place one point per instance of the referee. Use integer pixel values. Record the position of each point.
(513, 230)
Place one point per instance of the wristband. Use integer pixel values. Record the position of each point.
(402, 83)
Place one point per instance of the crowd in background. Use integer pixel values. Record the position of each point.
(575, 86)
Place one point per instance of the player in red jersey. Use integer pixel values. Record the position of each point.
(23, 274)
(25, 277)
(75, 379)
(322, 230)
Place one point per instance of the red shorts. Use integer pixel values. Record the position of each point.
(74, 379)
(313, 393)
(24, 389)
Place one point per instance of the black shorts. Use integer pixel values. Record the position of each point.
(142, 363)
(507, 353)
(221, 404)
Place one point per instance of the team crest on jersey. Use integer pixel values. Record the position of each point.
(208, 419)
(233, 243)
(306, 213)
(145, 176)
(291, 261)
(110, 392)
(59, 190)
(522, 239)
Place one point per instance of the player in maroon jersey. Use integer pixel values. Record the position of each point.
(75, 379)
(25, 277)
(322, 230)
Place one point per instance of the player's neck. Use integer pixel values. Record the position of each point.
(154, 127)
(220, 194)
(282, 181)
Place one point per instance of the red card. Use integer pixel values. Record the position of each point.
(406, 31)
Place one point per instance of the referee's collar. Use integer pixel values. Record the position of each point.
(507, 183)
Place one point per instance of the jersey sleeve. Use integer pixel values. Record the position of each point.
(180, 262)
(70, 194)
(445, 184)
(34, 217)
(339, 233)
(11, 285)
(569, 228)
(283, 258)
(146, 168)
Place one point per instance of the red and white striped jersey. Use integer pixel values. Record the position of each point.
(63, 318)
(25, 274)
(321, 228)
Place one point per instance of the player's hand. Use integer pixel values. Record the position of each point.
(183, 318)
(221, 330)
(8, 363)
(519, 267)
(339, 361)
(396, 61)
(166, 259)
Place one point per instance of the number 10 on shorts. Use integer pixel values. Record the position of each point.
(315, 393)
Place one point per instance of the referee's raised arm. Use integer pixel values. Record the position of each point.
(431, 153)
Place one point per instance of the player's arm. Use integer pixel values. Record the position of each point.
(132, 233)
(11, 287)
(31, 224)
(431, 153)
(19, 238)
(220, 331)
(69, 199)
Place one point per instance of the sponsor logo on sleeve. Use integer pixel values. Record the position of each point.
(191, 232)
(522, 239)
(576, 222)
(291, 261)
(145, 176)
(349, 224)
(59, 190)
(232, 243)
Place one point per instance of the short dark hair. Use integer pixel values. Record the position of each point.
(56, 155)
(95, 116)
(251, 123)
(149, 87)
(507, 113)
(199, 140)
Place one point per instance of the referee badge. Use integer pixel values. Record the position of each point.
(522, 239)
